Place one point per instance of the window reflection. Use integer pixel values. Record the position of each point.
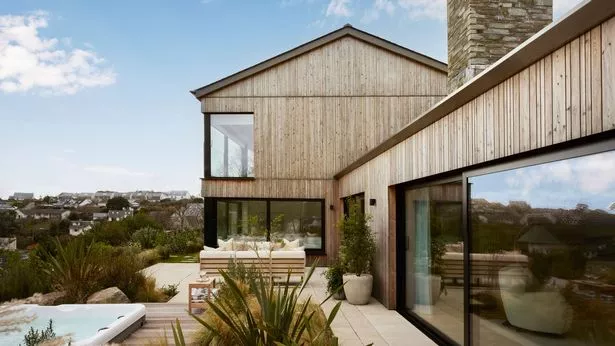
(232, 145)
(434, 257)
(543, 254)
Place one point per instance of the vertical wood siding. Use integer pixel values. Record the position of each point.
(568, 94)
(319, 112)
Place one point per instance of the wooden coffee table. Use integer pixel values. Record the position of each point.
(209, 284)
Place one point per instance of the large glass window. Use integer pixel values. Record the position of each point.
(237, 218)
(434, 264)
(298, 220)
(231, 145)
(274, 219)
(543, 253)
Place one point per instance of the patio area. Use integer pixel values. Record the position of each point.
(354, 325)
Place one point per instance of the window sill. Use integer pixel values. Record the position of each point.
(230, 178)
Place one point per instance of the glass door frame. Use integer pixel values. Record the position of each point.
(400, 205)
(589, 145)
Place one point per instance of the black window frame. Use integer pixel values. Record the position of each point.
(593, 144)
(345, 200)
(211, 230)
(207, 146)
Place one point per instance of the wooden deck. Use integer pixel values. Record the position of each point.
(158, 318)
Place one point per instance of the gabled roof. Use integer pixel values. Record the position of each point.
(346, 30)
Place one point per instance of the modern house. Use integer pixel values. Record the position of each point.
(523, 113)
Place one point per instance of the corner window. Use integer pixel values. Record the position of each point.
(231, 146)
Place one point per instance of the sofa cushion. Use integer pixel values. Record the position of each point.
(225, 245)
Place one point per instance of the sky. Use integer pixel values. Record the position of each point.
(561, 184)
(94, 95)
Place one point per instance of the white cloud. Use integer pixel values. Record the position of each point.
(339, 8)
(115, 171)
(373, 13)
(424, 9)
(29, 61)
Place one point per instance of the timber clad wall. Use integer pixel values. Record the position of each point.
(319, 112)
(568, 94)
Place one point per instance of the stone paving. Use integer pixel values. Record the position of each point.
(354, 325)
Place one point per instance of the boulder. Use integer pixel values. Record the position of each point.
(52, 298)
(111, 295)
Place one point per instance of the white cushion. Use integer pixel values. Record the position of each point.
(225, 245)
(207, 248)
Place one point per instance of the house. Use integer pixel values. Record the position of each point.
(8, 244)
(118, 215)
(22, 196)
(6, 206)
(525, 111)
(49, 214)
(78, 227)
(178, 195)
(189, 216)
(100, 216)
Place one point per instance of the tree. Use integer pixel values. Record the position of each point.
(117, 203)
(8, 223)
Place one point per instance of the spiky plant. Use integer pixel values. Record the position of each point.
(267, 316)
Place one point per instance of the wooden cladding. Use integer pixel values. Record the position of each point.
(345, 67)
(567, 94)
(313, 138)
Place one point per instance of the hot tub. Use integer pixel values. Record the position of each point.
(84, 324)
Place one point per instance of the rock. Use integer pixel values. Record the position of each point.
(111, 295)
(52, 298)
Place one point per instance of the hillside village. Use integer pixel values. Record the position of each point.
(25, 219)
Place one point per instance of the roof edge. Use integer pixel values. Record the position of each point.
(346, 30)
(577, 21)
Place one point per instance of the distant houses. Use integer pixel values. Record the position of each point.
(78, 227)
(21, 196)
(48, 214)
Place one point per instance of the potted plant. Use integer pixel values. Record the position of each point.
(334, 275)
(357, 252)
(432, 283)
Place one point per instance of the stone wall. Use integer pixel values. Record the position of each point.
(480, 32)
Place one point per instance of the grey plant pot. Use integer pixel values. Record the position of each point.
(358, 289)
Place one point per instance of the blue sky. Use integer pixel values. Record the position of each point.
(94, 94)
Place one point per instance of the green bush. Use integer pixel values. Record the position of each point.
(335, 277)
(121, 269)
(163, 251)
(36, 337)
(22, 278)
(358, 245)
(184, 242)
(147, 237)
(76, 269)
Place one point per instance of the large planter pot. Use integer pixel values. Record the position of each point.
(427, 288)
(358, 289)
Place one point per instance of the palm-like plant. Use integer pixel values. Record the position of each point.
(279, 318)
(75, 269)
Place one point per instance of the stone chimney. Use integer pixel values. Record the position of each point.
(482, 31)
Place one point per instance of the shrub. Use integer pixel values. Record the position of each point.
(149, 257)
(21, 278)
(335, 277)
(358, 245)
(36, 337)
(147, 237)
(183, 242)
(265, 316)
(170, 290)
(121, 269)
(163, 251)
(147, 292)
(76, 269)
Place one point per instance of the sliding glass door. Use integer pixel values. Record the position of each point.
(433, 257)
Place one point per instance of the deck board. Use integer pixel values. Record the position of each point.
(158, 318)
